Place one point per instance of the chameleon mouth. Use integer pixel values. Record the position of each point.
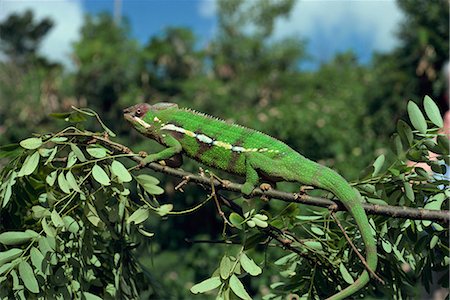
(140, 122)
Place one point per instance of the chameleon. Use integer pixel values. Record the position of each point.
(249, 153)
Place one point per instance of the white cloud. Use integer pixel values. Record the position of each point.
(67, 16)
(207, 8)
(332, 26)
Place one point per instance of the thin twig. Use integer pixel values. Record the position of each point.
(363, 260)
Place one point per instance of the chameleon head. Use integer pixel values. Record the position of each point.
(143, 116)
(135, 114)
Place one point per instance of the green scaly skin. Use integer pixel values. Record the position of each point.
(250, 153)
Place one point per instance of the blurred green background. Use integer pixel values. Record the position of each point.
(340, 112)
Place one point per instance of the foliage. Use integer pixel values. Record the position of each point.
(21, 37)
(80, 215)
(415, 68)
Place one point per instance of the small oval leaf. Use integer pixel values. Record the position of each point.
(238, 288)
(100, 175)
(120, 171)
(63, 184)
(27, 276)
(79, 154)
(139, 216)
(416, 117)
(96, 151)
(17, 237)
(378, 164)
(432, 111)
(249, 265)
(31, 143)
(345, 274)
(206, 285)
(9, 255)
(29, 165)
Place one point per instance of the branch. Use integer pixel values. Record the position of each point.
(442, 216)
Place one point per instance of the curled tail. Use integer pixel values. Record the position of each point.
(328, 179)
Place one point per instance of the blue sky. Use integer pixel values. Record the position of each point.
(329, 26)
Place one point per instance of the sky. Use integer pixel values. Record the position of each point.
(328, 26)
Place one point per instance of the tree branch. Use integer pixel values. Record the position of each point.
(442, 216)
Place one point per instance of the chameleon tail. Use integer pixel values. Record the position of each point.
(328, 179)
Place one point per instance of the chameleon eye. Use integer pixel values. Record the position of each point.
(138, 112)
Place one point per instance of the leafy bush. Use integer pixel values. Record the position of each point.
(73, 212)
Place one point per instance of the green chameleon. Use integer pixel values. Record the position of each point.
(243, 151)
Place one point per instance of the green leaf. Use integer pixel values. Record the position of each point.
(118, 169)
(90, 296)
(139, 216)
(100, 175)
(405, 132)
(92, 215)
(435, 202)
(313, 245)
(258, 222)
(51, 178)
(434, 241)
(5, 268)
(444, 143)
(164, 209)
(345, 274)
(56, 219)
(416, 117)
(79, 154)
(378, 164)
(225, 267)
(70, 224)
(31, 143)
(71, 180)
(152, 189)
(17, 237)
(387, 246)
(236, 220)
(308, 218)
(58, 139)
(408, 191)
(37, 258)
(46, 244)
(238, 288)
(27, 276)
(145, 233)
(6, 195)
(71, 159)
(9, 255)
(63, 184)
(317, 230)
(39, 212)
(432, 111)
(96, 151)
(249, 265)
(48, 229)
(10, 150)
(206, 285)
(29, 165)
(144, 178)
(52, 156)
